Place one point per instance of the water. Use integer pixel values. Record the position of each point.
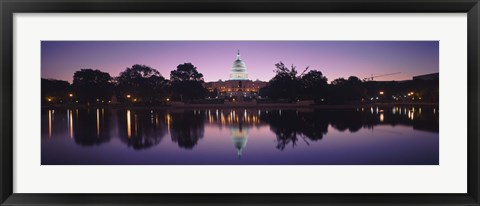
(358, 136)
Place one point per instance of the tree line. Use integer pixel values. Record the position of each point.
(136, 84)
(289, 85)
(141, 84)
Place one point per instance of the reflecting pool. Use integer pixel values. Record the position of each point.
(357, 136)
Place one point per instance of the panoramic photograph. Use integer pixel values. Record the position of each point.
(239, 102)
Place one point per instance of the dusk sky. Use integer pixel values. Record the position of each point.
(335, 59)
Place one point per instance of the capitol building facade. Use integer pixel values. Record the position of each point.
(238, 85)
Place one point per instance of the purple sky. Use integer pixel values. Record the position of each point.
(60, 59)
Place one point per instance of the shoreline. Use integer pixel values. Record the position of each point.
(252, 106)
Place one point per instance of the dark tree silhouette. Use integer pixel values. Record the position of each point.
(349, 90)
(187, 83)
(285, 84)
(186, 72)
(90, 85)
(141, 83)
(54, 90)
(315, 85)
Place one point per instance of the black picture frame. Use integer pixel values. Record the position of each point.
(10, 7)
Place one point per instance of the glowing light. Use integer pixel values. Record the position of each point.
(70, 95)
(381, 92)
(128, 96)
(381, 117)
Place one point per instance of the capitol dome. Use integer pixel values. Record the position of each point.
(239, 69)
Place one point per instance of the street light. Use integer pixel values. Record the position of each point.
(128, 96)
(70, 95)
(381, 93)
(168, 99)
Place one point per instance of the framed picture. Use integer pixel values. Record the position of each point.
(230, 102)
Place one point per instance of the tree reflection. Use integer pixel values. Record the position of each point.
(187, 128)
(89, 126)
(142, 129)
(290, 126)
(352, 121)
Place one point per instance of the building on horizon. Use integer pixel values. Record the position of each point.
(238, 85)
(431, 76)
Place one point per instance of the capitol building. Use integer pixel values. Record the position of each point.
(238, 85)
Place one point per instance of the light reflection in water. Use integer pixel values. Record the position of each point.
(129, 125)
(136, 125)
(169, 121)
(98, 123)
(71, 123)
(292, 130)
(239, 138)
(50, 123)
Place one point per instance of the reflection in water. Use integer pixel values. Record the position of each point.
(287, 131)
(129, 124)
(70, 122)
(187, 128)
(139, 132)
(98, 123)
(239, 139)
(50, 123)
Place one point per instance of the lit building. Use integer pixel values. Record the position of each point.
(238, 84)
(239, 69)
